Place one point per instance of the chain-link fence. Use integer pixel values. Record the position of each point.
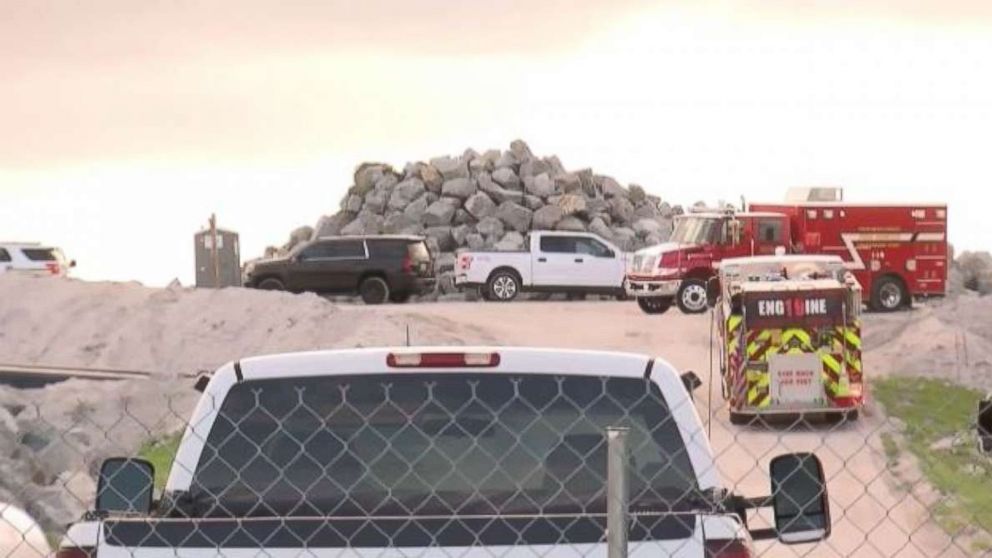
(488, 463)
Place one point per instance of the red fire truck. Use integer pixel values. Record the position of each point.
(896, 251)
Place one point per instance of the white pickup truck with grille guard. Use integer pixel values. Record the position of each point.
(553, 261)
(438, 452)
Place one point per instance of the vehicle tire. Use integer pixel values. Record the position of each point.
(374, 290)
(691, 297)
(399, 298)
(842, 417)
(888, 295)
(503, 286)
(271, 284)
(654, 304)
(575, 296)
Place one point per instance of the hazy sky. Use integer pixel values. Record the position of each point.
(125, 124)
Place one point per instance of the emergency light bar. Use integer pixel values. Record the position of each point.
(442, 360)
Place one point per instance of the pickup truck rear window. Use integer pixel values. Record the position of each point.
(419, 444)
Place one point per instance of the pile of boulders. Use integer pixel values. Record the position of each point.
(974, 272)
(489, 201)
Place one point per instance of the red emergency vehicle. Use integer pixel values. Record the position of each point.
(896, 251)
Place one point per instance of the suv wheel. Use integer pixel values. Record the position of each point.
(399, 298)
(374, 290)
(654, 304)
(503, 286)
(692, 296)
(271, 285)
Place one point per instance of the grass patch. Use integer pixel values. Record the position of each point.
(161, 453)
(937, 411)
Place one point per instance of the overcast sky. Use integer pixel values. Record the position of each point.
(125, 124)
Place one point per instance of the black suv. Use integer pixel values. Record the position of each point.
(379, 268)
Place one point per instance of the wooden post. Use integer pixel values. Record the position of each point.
(214, 256)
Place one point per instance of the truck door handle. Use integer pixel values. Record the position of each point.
(542, 260)
(579, 260)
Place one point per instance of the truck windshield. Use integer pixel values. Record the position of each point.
(422, 444)
(696, 230)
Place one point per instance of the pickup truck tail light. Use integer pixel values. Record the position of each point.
(727, 548)
(53, 268)
(76, 552)
(442, 360)
(407, 264)
(464, 262)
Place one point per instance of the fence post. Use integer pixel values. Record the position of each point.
(616, 492)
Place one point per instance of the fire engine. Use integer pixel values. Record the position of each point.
(790, 336)
(896, 251)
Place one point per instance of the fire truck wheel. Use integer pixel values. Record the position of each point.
(888, 295)
(654, 304)
(692, 296)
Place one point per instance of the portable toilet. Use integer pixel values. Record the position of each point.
(218, 257)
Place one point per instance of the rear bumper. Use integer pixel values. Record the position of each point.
(423, 285)
(652, 287)
(462, 281)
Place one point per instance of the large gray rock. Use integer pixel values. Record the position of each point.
(541, 185)
(976, 271)
(666, 210)
(463, 217)
(533, 203)
(610, 187)
(415, 211)
(450, 167)
(442, 235)
(598, 226)
(515, 216)
(353, 204)
(479, 165)
(405, 192)
(366, 175)
(646, 210)
(625, 238)
(587, 181)
(621, 210)
(331, 225)
(636, 194)
(646, 227)
(490, 227)
(401, 223)
(506, 178)
(375, 201)
(459, 188)
(445, 262)
(520, 150)
(432, 178)
(571, 223)
(497, 192)
(533, 167)
(365, 223)
(299, 235)
(571, 204)
(480, 205)
(511, 242)
(546, 218)
(439, 213)
(386, 182)
(568, 182)
(475, 241)
(506, 161)
(460, 233)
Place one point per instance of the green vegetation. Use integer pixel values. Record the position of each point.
(939, 421)
(160, 453)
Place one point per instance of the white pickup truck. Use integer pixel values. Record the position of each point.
(561, 262)
(440, 452)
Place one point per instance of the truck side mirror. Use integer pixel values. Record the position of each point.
(125, 486)
(799, 496)
(691, 382)
(985, 425)
(712, 291)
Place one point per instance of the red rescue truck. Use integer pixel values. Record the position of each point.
(897, 252)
